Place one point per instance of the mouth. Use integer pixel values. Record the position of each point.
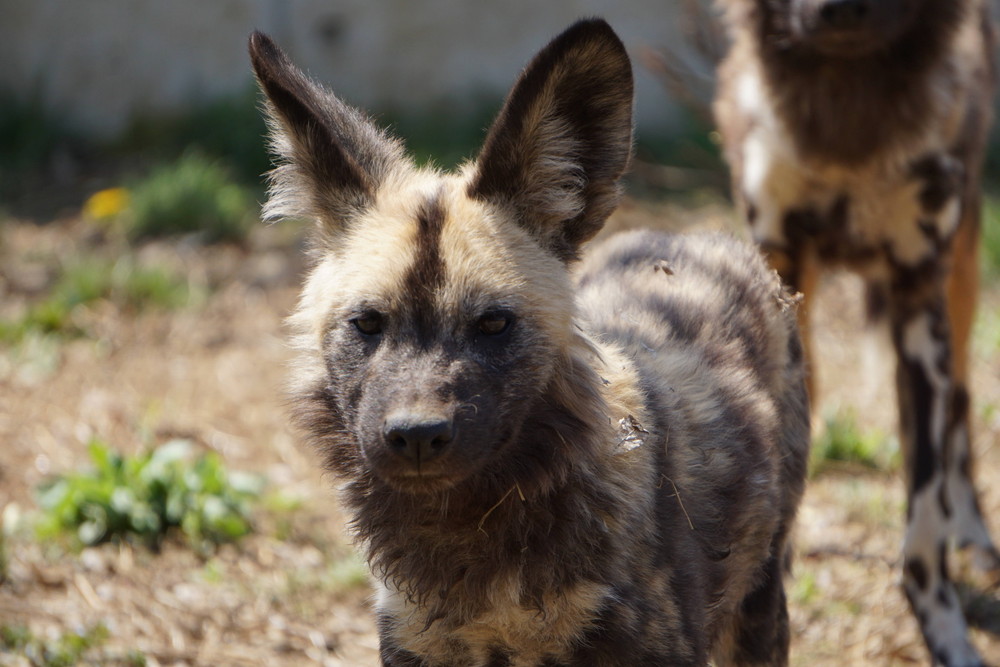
(846, 44)
(420, 477)
(417, 482)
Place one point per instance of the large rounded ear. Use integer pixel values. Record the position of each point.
(555, 154)
(332, 159)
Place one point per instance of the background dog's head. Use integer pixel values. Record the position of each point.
(850, 28)
(439, 303)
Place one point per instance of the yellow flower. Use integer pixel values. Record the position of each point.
(106, 204)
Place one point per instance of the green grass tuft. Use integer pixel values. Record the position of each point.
(193, 195)
(71, 648)
(145, 496)
(805, 590)
(989, 256)
(91, 280)
(843, 442)
(986, 332)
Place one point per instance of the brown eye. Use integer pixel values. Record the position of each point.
(494, 324)
(369, 324)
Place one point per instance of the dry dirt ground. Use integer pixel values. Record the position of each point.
(289, 595)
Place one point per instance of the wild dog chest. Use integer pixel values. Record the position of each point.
(900, 200)
(509, 630)
(900, 212)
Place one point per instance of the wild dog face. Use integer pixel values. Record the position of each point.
(438, 304)
(850, 29)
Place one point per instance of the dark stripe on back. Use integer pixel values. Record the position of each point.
(499, 657)
(426, 275)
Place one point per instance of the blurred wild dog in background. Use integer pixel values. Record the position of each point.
(544, 467)
(855, 131)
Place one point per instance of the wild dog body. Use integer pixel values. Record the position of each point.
(545, 468)
(651, 525)
(855, 132)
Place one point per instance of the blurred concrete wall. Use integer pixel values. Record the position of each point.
(100, 61)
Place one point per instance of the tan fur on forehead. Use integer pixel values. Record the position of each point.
(369, 261)
(476, 237)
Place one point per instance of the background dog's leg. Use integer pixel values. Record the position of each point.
(967, 523)
(920, 333)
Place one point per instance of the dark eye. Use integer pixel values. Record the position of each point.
(494, 324)
(369, 324)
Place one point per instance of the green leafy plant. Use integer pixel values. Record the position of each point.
(192, 195)
(88, 281)
(146, 495)
(843, 442)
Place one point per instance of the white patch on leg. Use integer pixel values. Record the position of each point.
(928, 534)
(948, 219)
(920, 344)
(936, 604)
(966, 523)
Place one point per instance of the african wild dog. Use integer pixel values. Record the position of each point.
(855, 132)
(541, 472)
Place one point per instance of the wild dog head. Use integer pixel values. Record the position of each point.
(852, 29)
(439, 304)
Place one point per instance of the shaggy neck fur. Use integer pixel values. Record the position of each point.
(846, 110)
(538, 515)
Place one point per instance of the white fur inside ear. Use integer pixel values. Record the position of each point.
(556, 177)
(286, 196)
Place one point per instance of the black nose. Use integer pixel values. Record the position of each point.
(419, 439)
(843, 14)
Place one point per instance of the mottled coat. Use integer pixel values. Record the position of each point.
(548, 461)
(855, 131)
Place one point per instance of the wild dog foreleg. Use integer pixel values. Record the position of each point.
(761, 635)
(926, 391)
(949, 200)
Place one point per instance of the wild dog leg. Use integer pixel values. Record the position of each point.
(761, 634)
(920, 334)
(967, 525)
